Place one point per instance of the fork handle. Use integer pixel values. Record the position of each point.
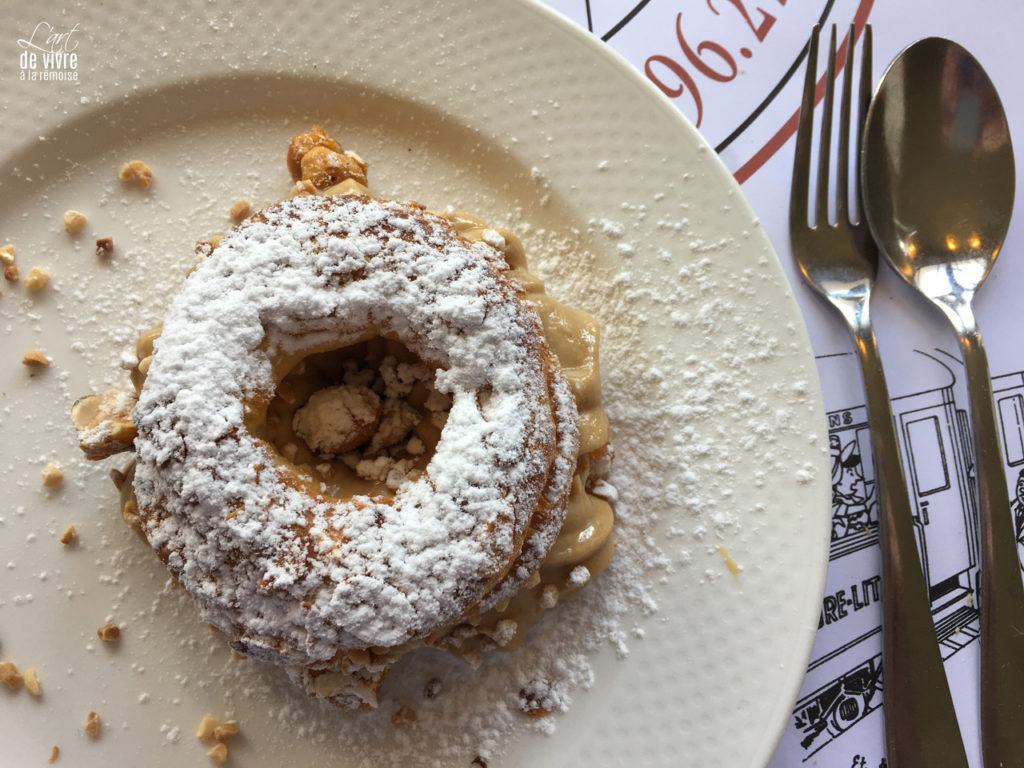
(920, 722)
(1002, 592)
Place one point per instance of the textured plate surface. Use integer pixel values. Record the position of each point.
(504, 110)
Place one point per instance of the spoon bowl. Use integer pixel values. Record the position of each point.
(938, 184)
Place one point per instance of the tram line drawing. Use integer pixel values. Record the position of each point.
(845, 676)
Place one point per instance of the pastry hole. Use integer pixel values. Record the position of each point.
(361, 419)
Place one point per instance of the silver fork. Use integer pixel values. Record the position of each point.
(840, 262)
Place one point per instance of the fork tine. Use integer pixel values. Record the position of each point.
(863, 99)
(825, 147)
(843, 163)
(802, 161)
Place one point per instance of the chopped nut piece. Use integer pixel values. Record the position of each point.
(11, 273)
(35, 358)
(325, 168)
(69, 536)
(52, 476)
(32, 683)
(109, 633)
(136, 171)
(225, 730)
(206, 728)
(9, 675)
(219, 753)
(240, 210)
(303, 142)
(302, 188)
(36, 279)
(104, 423)
(54, 754)
(74, 221)
(104, 246)
(93, 725)
(7, 255)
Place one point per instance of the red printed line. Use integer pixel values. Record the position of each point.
(775, 143)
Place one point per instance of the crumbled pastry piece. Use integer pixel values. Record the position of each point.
(7, 255)
(136, 171)
(54, 753)
(206, 728)
(9, 675)
(325, 167)
(70, 536)
(93, 726)
(104, 246)
(104, 423)
(36, 279)
(225, 730)
(403, 715)
(302, 143)
(11, 273)
(35, 359)
(52, 476)
(240, 210)
(207, 245)
(74, 221)
(32, 683)
(109, 633)
(218, 753)
(337, 419)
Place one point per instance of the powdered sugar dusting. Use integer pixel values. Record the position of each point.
(304, 272)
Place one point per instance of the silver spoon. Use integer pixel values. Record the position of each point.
(938, 183)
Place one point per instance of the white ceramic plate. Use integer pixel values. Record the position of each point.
(500, 109)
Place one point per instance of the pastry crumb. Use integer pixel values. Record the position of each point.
(52, 476)
(35, 359)
(109, 633)
(36, 279)
(104, 246)
(32, 683)
(70, 536)
(11, 273)
(218, 753)
(7, 255)
(240, 210)
(9, 675)
(74, 221)
(93, 725)
(136, 171)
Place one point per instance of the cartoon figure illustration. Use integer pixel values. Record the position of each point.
(853, 503)
(1018, 516)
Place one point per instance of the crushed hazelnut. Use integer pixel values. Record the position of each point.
(74, 221)
(36, 279)
(7, 255)
(69, 536)
(9, 675)
(32, 683)
(206, 728)
(93, 726)
(240, 210)
(303, 142)
(302, 188)
(54, 753)
(109, 633)
(35, 359)
(104, 246)
(11, 273)
(136, 171)
(219, 753)
(104, 423)
(52, 476)
(225, 730)
(325, 168)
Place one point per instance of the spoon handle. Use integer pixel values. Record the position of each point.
(1002, 591)
(920, 721)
